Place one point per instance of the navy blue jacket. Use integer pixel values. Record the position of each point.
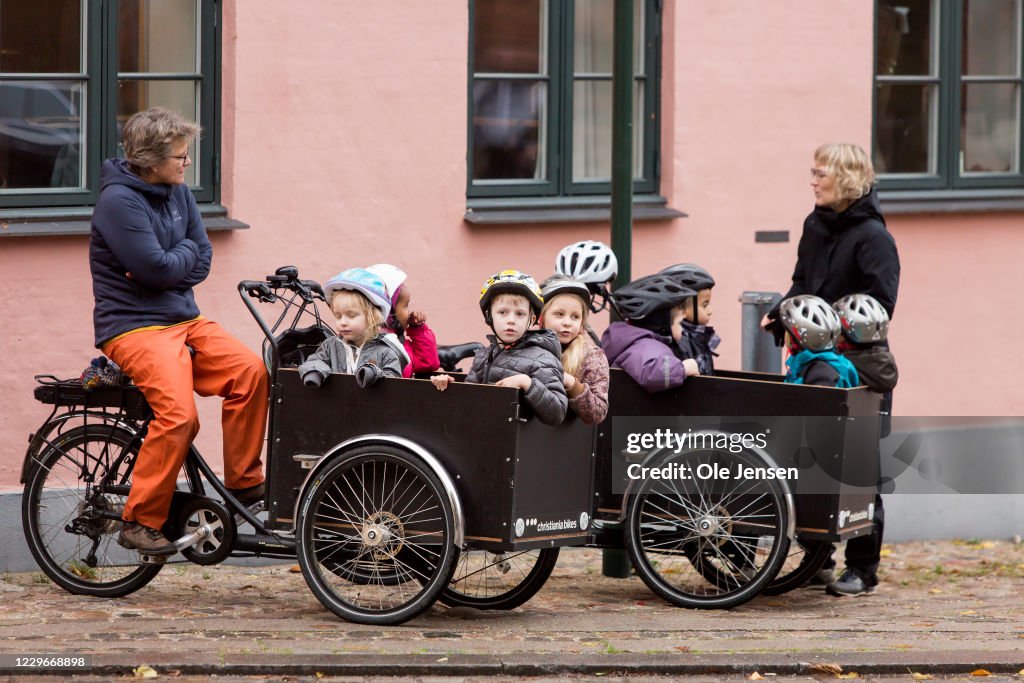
(155, 233)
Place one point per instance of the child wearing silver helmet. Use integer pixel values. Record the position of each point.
(865, 329)
(811, 328)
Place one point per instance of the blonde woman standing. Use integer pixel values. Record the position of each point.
(846, 249)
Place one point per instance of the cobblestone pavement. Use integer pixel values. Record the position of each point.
(943, 608)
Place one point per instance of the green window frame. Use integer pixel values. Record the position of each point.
(949, 97)
(107, 91)
(563, 86)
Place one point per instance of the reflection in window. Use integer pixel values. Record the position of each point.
(509, 90)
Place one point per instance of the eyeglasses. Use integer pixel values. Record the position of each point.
(183, 158)
(818, 174)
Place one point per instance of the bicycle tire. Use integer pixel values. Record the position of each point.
(375, 511)
(815, 554)
(486, 580)
(60, 493)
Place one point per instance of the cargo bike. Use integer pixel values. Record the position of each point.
(382, 494)
(393, 496)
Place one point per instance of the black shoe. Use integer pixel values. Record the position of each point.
(135, 536)
(849, 584)
(823, 577)
(250, 496)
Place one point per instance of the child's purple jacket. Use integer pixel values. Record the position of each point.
(645, 356)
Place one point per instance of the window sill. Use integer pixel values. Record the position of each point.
(77, 221)
(563, 210)
(950, 201)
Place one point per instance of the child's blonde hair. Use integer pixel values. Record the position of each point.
(576, 351)
(374, 318)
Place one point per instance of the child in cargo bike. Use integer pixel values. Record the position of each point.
(566, 303)
(361, 303)
(518, 356)
(812, 328)
(647, 346)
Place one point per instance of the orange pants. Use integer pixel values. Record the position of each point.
(160, 365)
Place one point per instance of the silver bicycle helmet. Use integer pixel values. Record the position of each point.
(863, 319)
(560, 284)
(588, 261)
(690, 275)
(811, 321)
(644, 296)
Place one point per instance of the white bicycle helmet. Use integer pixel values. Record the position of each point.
(588, 261)
(863, 319)
(392, 276)
(363, 281)
(811, 321)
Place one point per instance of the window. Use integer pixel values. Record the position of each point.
(540, 97)
(73, 71)
(948, 94)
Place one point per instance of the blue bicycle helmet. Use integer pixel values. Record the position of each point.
(363, 281)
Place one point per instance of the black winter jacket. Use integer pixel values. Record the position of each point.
(155, 233)
(539, 356)
(846, 253)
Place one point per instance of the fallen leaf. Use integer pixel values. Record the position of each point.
(443, 659)
(755, 677)
(682, 648)
(935, 590)
(986, 545)
(827, 668)
(295, 569)
(967, 613)
(885, 552)
(924, 623)
(145, 672)
(852, 674)
(319, 674)
(981, 672)
(903, 646)
(921, 677)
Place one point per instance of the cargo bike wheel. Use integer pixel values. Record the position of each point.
(802, 562)
(82, 474)
(500, 581)
(376, 535)
(707, 542)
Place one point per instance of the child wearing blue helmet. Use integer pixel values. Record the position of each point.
(361, 303)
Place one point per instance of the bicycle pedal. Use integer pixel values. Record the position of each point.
(145, 558)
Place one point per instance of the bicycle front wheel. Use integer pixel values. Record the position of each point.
(71, 541)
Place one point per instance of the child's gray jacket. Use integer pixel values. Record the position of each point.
(382, 356)
(537, 354)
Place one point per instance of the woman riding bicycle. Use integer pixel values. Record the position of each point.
(148, 248)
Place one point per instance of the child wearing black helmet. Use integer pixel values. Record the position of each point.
(646, 345)
(518, 356)
(811, 329)
(698, 339)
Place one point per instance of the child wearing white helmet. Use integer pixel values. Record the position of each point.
(865, 329)
(409, 325)
(566, 304)
(811, 329)
(361, 303)
(518, 356)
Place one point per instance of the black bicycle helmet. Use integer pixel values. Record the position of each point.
(644, 296)
(689, 275)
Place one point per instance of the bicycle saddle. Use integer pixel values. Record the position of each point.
(449, 356)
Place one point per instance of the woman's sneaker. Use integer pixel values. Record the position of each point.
(135, 536)
(849, 584)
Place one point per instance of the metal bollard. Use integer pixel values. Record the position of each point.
(758, 349)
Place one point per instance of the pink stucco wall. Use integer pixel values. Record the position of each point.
(344, 143)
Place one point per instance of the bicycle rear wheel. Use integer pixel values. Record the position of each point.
(486, 580)
(72, 543)
(803, 562)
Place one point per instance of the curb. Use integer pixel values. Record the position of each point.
(522, 665)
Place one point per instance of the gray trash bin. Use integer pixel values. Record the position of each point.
(760, 354)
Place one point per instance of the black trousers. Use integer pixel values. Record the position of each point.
(863, 553)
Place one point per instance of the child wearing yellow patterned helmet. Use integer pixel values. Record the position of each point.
(519, 357)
